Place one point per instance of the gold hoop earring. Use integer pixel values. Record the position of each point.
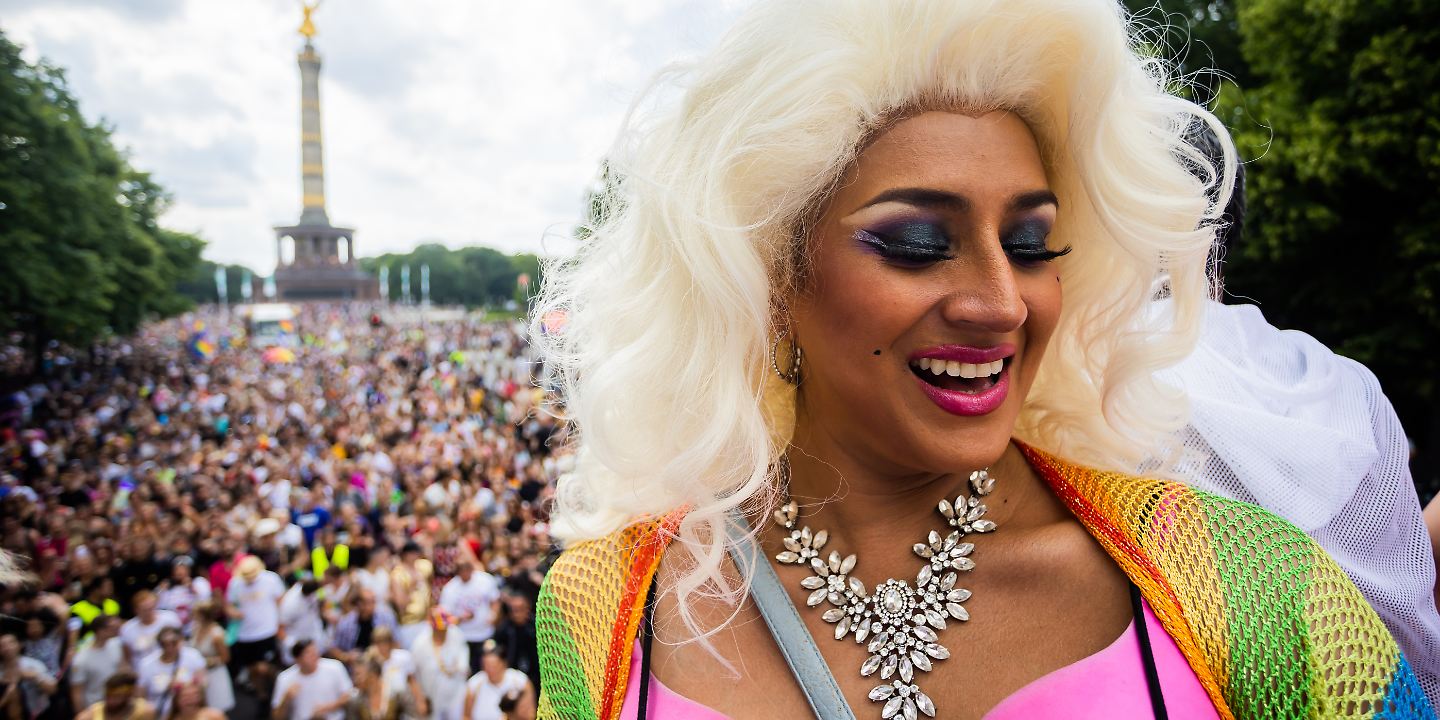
(797, 359)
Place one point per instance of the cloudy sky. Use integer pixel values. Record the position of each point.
(458, 121)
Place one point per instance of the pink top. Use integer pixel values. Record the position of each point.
(1108, 684)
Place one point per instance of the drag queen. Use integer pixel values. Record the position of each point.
(862, 362)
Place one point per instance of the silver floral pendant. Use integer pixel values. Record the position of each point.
(899, 619)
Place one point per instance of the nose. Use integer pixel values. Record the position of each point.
(984, 293)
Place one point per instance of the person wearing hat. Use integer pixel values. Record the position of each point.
(498, 691)
(442, 665)
(268, 545)
(253, 599)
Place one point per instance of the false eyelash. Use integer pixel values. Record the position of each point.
(1039, 256)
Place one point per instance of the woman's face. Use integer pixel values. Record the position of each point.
(932, 254)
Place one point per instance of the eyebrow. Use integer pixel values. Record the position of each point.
(942, 200)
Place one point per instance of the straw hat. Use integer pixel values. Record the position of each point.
(249, 568)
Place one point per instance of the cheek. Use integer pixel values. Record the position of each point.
(1043, 298)
(853, 308)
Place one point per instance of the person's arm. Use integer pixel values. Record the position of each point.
(232, 607)
(283, 699)
(422, 705)
(41, 679)
(322, 710)
(222, 651)
(77, 687)
(469, 702)
(525, 709)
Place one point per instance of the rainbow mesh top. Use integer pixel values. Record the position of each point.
(1270, 624)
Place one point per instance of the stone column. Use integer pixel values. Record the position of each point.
(312, 161)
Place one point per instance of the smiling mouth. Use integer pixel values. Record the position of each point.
(969, 378)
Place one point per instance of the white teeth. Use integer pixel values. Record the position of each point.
(959, 369)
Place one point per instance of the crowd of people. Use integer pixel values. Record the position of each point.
(354, 529)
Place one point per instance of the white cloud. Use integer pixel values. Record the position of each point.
(450, 120)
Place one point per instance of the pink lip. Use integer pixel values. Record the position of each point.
(960, 403)
(966, 354)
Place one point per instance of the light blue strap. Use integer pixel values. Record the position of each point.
(794, 639)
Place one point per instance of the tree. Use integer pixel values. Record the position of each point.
(1201, 40)
(1345, 221)
(199, 286)
(470, 276)
(83, 252)
(1334, 108)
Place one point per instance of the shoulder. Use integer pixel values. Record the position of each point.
(516, 679)
(286, 678)
(1244, 593)
(588, 612)
(605, 562)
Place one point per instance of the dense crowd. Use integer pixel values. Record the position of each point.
(355, 529)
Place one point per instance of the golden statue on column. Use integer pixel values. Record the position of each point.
(307, 26)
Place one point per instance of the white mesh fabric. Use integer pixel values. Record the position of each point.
(1280, 421)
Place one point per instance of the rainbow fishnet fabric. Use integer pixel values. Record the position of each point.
(587, 615)
(1270, 624)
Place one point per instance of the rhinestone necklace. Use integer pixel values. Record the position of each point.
(899, 619)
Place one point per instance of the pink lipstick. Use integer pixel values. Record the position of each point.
(956, 377)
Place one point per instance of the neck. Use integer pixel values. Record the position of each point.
(871, 504)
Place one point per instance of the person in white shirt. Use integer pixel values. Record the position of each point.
(99, 658)
(441, 666)
(300, 617)
(163, 673)
(183, 591)
(375, 576)
(498, 692)
(312, 688)
(473, 597)
(397, 668)
(139, 633)
(34, 681)
(253, 598)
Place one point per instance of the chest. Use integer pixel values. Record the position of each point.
(1039, 601)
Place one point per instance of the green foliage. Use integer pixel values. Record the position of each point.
(470, 276)
(199, 285)
(83, 252)
(1344, 217)
(1336, 109)
(1199, 38)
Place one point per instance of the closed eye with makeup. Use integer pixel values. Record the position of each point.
(915, 228)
